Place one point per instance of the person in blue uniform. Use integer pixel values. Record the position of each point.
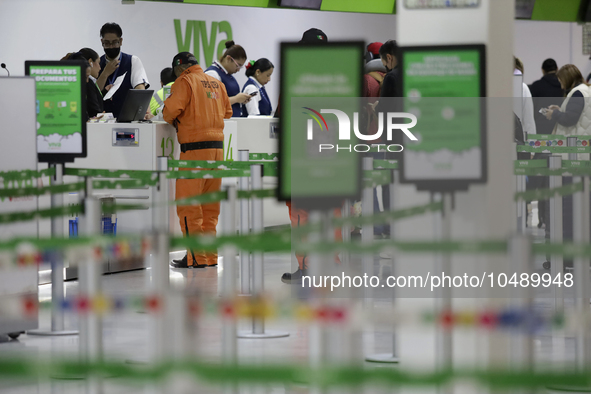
(259, 74)
(114, 64)
(230, 63)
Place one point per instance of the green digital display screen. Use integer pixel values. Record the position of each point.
(61, 109)
(315, 79)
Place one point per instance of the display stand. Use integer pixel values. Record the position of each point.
(392, 357)
(243, 155)
(61, 138)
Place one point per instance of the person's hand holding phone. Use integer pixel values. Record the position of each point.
(243, 98)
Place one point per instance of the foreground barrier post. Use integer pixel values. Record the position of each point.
(393, 356)
(57, 264)
(89, 273)
(522, 342)
(243, 155)
(159, 286)
(258, 288)
(556, 261)
(229, 343)
(444, 336)
(367, 233)
(229, 285)
(581, 276)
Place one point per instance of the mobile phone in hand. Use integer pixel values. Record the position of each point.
(254, 93)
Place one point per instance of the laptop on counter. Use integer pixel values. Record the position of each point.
(135, 105)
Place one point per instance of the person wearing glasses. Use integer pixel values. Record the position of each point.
(115, 64)
(230, 63)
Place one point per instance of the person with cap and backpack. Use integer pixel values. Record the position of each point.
(197, 107)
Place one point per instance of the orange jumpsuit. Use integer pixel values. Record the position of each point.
(197, 106)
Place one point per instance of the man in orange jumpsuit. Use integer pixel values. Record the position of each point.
(197, 107)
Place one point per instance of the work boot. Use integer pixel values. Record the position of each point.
(295, 278)
(183, 263)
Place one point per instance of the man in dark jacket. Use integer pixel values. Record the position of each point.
(546, 92)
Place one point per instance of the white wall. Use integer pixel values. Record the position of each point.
(48, 29)
(536, 41)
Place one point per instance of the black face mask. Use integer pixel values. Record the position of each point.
(112, 53)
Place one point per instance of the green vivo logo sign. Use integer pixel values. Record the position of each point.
(196, 31)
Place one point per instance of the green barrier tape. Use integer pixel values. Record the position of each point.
(40, 214)
(530, 164)
(576, 163)
(554, 149)
(545, 194)
(410, 247)
(323, 376)
(263, 156)
(110, 209)
(385, 164)
(135, 174)
(124, 184)
(385, 217)
(204, 174)
(281, 242)
(224, 165)
(71, 210)
(208, 198)
(61, 243)
(554, 172)
(373, 178)
(39, 191)
(566, 250)
(261, 193)
(25, 174)
(266, 242)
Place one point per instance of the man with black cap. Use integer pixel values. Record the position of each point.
(299, 216)
(197, 107)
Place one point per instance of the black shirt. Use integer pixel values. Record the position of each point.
(545, 92)
(94, 99)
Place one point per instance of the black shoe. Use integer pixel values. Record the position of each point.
(295, 278)
(182, 263)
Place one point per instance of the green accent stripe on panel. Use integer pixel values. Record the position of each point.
(556, 10)
(374, 6)
(238, 3)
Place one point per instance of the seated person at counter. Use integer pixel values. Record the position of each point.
(115, 64)
(197, 107)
